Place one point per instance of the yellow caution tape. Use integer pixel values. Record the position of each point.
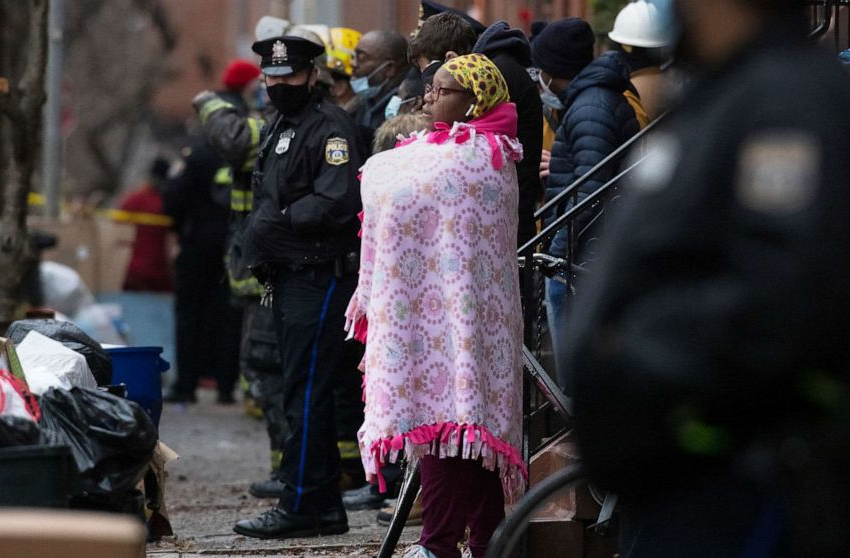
(138, 218)
(35, 198)
(133, 217)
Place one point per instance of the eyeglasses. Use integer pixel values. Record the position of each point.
(436, 92)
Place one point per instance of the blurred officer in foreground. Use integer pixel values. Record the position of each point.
(710, 352)
(301, 241)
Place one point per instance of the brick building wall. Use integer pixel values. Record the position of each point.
(212, 32)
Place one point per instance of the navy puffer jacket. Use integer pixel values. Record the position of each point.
(598, 119)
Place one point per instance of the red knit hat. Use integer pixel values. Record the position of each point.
(239, 73)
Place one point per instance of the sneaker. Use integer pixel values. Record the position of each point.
(269, 488)
(385, 516)
(418, 551)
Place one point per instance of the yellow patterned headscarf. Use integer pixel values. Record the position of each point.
(478, 74)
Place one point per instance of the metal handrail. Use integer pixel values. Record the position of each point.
(821, 29)
(603, 164)
(553, 227)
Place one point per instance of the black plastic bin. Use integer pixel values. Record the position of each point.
(37, 476)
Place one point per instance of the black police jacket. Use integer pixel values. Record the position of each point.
(306, 191)
(198, 201)
(722, 300)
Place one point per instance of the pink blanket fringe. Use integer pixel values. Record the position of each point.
(445, 440)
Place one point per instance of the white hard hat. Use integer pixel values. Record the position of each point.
(321, 61)
(640, 24)
(270, 26)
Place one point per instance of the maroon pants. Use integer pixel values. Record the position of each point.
(456, 494)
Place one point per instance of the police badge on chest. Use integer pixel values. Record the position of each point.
(284, 141)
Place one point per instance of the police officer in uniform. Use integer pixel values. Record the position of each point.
(301, 240)
(709, 354)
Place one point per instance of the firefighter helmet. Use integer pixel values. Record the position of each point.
(341, 45)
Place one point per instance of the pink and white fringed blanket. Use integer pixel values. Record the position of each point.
(439, 289)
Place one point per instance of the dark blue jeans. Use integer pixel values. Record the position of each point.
(309, 304)
(557, 313)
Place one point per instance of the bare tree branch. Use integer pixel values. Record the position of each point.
(160, 20)
(80, 13)
(22, 106)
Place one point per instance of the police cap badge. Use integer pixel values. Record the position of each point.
(285, 55)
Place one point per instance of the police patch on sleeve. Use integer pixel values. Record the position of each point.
(655, 172)
(336, 151)
(778, 172)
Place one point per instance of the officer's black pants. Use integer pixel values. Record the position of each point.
(309, 306)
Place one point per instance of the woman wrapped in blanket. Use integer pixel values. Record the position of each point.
(439, 291)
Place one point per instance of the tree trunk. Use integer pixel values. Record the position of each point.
(23, 59)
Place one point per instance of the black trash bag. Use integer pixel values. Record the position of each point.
(131, 502)
(17, 431)
(112, 439)
(72, 337)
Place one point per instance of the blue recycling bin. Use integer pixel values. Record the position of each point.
(140, 369)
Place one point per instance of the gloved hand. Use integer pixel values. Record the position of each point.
(262, 272)
(203, 97)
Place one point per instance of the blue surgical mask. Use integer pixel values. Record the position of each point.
(547, 97)
(360, 85)
(392, 107)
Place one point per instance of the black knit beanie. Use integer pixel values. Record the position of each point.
(564, 47)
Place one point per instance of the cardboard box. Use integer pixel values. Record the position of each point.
(574, 502)
(9, 359)
(70, 534)
(115, 247)
(97, 247)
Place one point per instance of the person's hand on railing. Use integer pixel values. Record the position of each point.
(545, 157)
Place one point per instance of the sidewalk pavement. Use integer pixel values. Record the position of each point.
(221, 452)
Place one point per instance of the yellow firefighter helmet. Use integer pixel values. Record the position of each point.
(341, 45)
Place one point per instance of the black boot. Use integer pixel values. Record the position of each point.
(364, 498)
(270, 488)
(278, 523)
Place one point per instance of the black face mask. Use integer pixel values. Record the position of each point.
(289, 99)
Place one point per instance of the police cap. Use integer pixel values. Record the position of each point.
(285, 55)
